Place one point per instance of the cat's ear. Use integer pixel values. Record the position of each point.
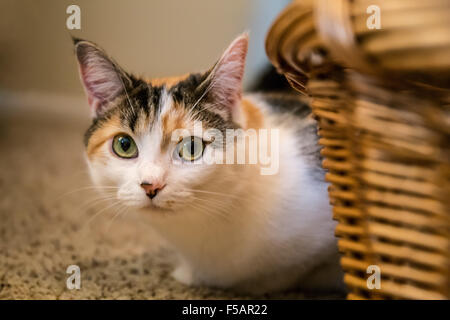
(224, 83)
(102, 78)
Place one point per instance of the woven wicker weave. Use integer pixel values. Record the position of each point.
(382, 101)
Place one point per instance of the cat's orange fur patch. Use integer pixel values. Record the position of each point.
(175, 118)
(167, 81)
(253, 116)
(108, 130)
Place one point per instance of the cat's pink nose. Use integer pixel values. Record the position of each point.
(152, 189)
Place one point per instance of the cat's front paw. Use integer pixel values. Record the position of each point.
(183, 273)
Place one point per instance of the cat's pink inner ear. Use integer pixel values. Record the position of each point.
(228, 73)
(100, 77)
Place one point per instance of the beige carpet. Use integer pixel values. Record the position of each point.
(47, 225)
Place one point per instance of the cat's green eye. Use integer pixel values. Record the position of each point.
(124, 146)
(190, 148)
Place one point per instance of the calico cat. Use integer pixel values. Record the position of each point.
(230, 225)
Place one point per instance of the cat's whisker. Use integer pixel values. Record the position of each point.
(210, 86)
(122, 209)
(100, 188)
(215, 193)
(282, 224)
(222, 205)
(101, 211)
(125, 89)
(96, 201)
(207, 209)
(201, 208)
(203, 109)
(211, 201)
(89, 204)
(216, 214)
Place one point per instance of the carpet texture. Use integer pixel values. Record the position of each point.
(48, 222)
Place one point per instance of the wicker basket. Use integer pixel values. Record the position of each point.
(382, 101)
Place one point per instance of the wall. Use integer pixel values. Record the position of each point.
(155, 38)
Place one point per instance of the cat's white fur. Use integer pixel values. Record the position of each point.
(230, 226)
(255, 232)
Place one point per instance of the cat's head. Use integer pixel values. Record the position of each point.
(131, 147)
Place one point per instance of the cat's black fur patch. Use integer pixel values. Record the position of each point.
(139, 99)
(186, 90)
(97, 123)
(142, 96)
(292, 104)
